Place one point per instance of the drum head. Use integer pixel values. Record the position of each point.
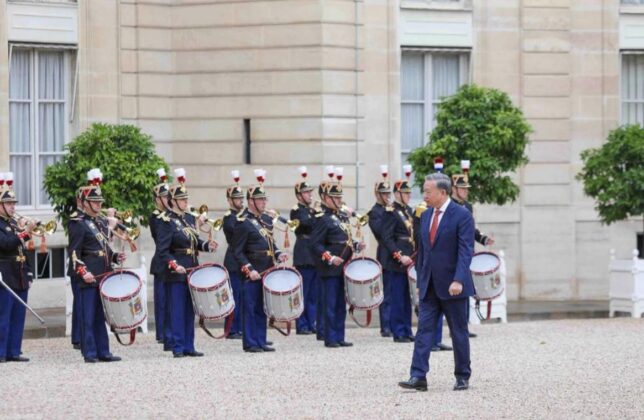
(281, 280)
(482, 263)
(362, 270)
(208, 276)
(120, 285)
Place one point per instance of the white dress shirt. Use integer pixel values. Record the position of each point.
(442, 209)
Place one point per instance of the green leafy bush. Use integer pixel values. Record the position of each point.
(128, 160)
(481, 125)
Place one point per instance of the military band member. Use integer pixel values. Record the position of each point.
(235, 197)
(332, 244)
(398, 239)
(91, 257)
(75, 285)
(302, 257)
(16, 273)
(382, 192)
(157, 266)
(255, 252)
(178, 245)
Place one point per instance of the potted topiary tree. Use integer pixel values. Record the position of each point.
(481, 125)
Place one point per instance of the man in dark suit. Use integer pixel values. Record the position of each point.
(444, 280)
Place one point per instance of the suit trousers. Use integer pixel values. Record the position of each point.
(12, 323)
(306, 321)
(456, 313)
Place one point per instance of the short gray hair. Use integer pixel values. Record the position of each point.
(442, 181)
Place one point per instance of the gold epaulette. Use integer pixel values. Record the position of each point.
(389, 208)
(228, 213)
(240, 218)
(156, 212)
(420, 209)
(163, 216)
(319, 214)
(295, 207)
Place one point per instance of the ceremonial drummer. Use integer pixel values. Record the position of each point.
(75, 285)
(178, 246)
(332, 245)
(91, 257)
(398, 239)
(302, 257)
(157, 266)
(235, 197)
(255, 252)
(382, 192)
(16, 273)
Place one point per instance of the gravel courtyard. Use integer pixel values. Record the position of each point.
(545, 369)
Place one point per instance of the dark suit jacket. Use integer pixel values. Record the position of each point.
(450, 257)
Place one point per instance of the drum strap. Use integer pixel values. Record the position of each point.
(477, 307)
(351, 309)
(271, 323)
(118, 338)
(227, 325)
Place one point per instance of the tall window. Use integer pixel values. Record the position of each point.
(37, 125)
(633, 89)
(427, 78)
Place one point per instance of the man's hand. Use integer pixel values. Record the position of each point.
(455, 288)
(212, 246)
(405, 260)
(337, 261)
(120, 257)
(29, 224)
(89, 278)
(283, 257)
(180, 269)
(361, 246)
(489, 241)
(254, 275)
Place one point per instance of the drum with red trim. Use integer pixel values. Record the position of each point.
(363, 283)
(413, 284)
(486, 275)
(121, 296)
(212, 296)
(283, 297)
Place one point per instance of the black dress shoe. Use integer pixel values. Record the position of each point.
(472, 335)
(268, 349)
(345, 344)
(461, 384)
(253, 350)
(193, 353)
(178, 355)
(91, 360)
(385, 333)
(411, 338)
(76, 346)
(304, 332)
(320, 338)
(419, 384)
(167, 347)
(402, 340)
(3, 360)
(440, 347)
(332, 345)
(17, 359)
(110, 358)
(234, 336)
(269, 343)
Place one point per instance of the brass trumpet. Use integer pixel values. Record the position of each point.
(125, 216)
(361, 219)
(40, 229)
(275, 215)
(215, 224)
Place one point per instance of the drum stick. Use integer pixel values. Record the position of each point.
(42, 321)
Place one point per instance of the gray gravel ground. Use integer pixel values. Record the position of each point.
(548, 369)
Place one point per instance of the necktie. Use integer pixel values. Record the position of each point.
(434, 228)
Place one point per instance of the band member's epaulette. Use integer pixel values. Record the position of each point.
(228, 213)
(75, 216)
(295, 207)
(163, 216)
(420, 209)
(156, 212)
(240, 217)
(389, 208)
(319, 214)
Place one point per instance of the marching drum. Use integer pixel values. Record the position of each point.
(283, 298)
(211, 293)
(486, 275)
(413, 285)
(363, 286)
(121, 296)
(212, 296)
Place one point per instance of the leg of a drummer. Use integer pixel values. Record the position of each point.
(260, 316)
(330, 335)
(189, 314)
(88, 299)
(177, 317)
(340, 308)
(321, 307)
(249, 337)
(100, 330)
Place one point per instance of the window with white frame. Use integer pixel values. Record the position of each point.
(633, 89)
(427, 78)
(49, 264)
(38, 83)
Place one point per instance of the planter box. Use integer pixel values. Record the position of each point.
(626, 290)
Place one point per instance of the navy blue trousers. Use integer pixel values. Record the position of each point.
(168, 343)
(76, 311)
(182, 318)
(384, 310)
(456, 313)
(335, 309)
(12, 323)
(319, 321)
(159, 307)
(306, 321)
(438, 337)
(400, 309)
(253, 316)
(235, 283)
(94, 340)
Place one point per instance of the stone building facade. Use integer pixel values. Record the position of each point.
(225, 84)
